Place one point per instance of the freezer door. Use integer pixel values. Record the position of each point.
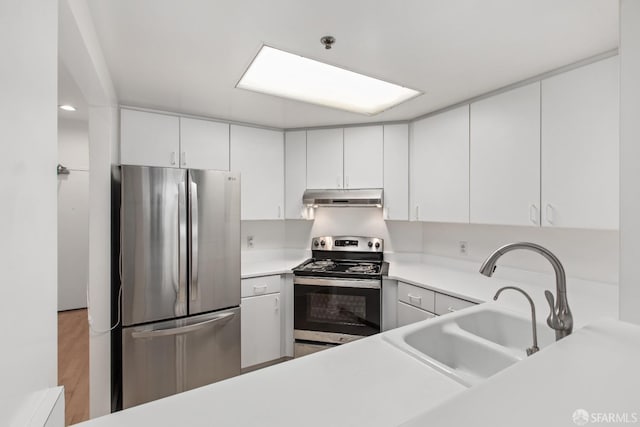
(153, 244)
(165, 358)
(214, 211)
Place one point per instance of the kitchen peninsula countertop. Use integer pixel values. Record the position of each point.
(370, 382)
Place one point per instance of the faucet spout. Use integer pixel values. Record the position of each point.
(534, 348)
(560, 319)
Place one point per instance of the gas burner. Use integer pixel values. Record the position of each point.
(362, 268)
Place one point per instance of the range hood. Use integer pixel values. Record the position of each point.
(349, 198)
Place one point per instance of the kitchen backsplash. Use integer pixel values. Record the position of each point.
(587, 254)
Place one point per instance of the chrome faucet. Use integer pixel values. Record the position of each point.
(534, 348)
(560, 318)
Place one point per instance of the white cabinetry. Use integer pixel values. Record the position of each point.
(396, 178)
(258, 154)
(345, 158)
(204, 144)
(260, 329)
(295, 152)
(414, 304)
(505, 158)
(408, 314)
(580, 147)
(153, 139)
(149, 139)
(262, 320)
(363, 154)
(325, 158)
(439, 157)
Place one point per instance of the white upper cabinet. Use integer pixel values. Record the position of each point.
(258, 154)
(295, 152)
(363, 153)
(396, 178)
(325, 158)
(580, 147)
(149, 139)
(505, 158)
(204, 144)
(439, 159)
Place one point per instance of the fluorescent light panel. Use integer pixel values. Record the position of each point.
(284, 74)
(67, 107)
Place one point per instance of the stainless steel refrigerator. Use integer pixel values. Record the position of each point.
(176, 276)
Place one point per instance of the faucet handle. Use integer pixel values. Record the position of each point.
(553, 321)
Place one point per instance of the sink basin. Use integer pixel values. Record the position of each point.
(505, 328)
(472, 344)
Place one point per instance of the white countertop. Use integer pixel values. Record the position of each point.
(367, 382)
(270, 262)
(588, 300)
(594, 369)
(370, 382)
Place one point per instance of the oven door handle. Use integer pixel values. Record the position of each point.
(337, 282)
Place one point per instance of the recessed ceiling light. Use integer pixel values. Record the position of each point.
(67, 107)
(284, 74)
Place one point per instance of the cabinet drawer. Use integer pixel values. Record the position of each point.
(408, 314)
(448, 304)
(260, 285)
(416, 296)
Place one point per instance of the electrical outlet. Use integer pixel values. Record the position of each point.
(464, 247)
(249, 242)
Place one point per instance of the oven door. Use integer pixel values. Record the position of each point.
(335, 310)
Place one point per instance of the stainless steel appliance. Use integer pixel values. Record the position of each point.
(176, 264)
(337, 293)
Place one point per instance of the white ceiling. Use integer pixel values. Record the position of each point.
(188, 55)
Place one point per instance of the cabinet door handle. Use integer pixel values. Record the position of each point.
(533, 214)
(417, 212)
(277, 303)
(347, 179)
(550, 214)
(417, 298)
(183, 157)
(338, 182)
(173, 157)
(259, 289)
(451, 309)
(385, 213)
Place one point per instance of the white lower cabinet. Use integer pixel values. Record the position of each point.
(261, 329)
(447, 304)
(415, 303)
(408, 314)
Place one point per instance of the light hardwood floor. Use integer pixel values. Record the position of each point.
(73, 364)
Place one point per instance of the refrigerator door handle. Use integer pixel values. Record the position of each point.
(193, 189)
(155, 333)
(180, 275)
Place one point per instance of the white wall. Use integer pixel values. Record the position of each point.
(73, 214)
(28, 116)
(82, 55)
(588, 254)
(630, 160)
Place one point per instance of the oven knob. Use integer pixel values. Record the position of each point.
(377, 245)
(322, 242)
(315, 243)
(370, 244)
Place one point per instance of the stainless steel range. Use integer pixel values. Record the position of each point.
(337, 293)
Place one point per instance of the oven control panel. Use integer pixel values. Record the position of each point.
(347, 243)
